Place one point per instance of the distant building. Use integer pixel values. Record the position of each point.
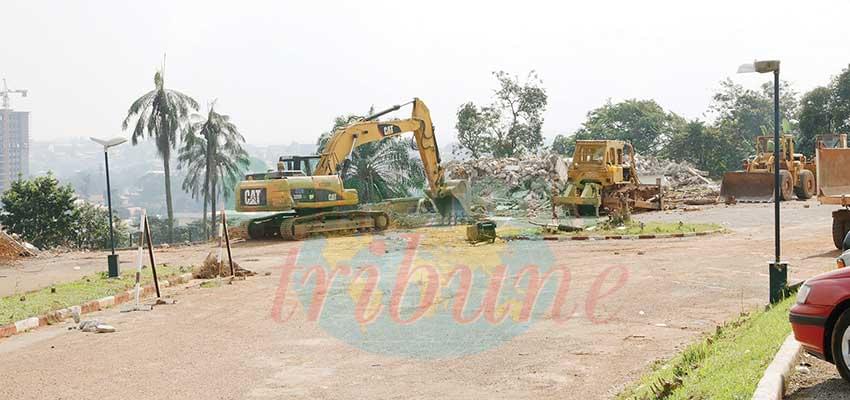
(14, 146)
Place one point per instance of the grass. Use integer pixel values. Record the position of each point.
(632, 228)
(20, 306)
(725, 365)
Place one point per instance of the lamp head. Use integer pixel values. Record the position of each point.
(107, 143)
(759, 66)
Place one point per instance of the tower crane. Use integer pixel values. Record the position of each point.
(5, 92)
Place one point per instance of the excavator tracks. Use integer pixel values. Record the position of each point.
(331, 222)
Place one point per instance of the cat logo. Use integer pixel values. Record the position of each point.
(388, 129)
(254, 197)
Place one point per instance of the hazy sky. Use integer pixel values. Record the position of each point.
(284, 69)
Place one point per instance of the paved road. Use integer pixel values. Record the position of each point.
(223, 342)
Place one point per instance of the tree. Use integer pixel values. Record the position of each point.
(742, 114)
(643, 123)
(563, 145)
(825, 109)
(159, 114)
(840, 101)
(91, 227)
(378, 170)
(511, 125)
(40, 210)
(815, 118)
(704, 146)
(212, 149)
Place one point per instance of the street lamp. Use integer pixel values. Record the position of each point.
(112, 259)
(778, 269)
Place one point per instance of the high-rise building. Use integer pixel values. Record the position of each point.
(14, 146)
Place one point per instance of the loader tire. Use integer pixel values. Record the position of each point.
(787, 186)
(840, 227)
(805, 188)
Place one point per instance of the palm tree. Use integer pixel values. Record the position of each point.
(159, 114)
(212, 149)
(385, 169)
(379, 170)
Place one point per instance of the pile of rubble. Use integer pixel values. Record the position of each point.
(12, 247)
(682, 180)
(211, 268)
(507, 184)
(513, 184)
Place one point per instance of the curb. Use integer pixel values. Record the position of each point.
(57, 316)
(772, 384)
(558, 238)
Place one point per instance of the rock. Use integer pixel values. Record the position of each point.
(89, 325)
(104, 328)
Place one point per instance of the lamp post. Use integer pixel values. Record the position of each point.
(112, 259)
(778, 269)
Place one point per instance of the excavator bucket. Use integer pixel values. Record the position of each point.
(747, 187)
(451, 202)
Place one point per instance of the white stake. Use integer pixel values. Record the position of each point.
(139, 256)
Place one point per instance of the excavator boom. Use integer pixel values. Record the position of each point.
(448, 196)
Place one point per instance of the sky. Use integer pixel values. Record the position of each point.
(283, 69)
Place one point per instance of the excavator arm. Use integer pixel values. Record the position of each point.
(448, 196)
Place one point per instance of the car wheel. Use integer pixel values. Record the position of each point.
(841, 345)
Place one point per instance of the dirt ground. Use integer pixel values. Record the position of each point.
(816, 379)
(223, 342)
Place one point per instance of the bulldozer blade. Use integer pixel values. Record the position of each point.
(451, 201)
(747, 187)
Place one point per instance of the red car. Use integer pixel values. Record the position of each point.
(821, 318)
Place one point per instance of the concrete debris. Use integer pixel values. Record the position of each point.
(510, 184)
(210, 268)
(682, 180)
(95, 326)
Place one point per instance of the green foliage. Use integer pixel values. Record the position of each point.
(742, 114)
(707, 147)
(511, 125)
(378, 170)
(815, 118)
(213, 155)
(40, 210)
(725, 365)
(642, 122)
(824, 110)
(563, 145)
(159, 114)
(42, 301)
(91, 227)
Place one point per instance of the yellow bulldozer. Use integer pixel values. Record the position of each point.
(306, 193)
(756, 181)
(602, 176)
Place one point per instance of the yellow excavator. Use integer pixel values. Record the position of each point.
(308, 197)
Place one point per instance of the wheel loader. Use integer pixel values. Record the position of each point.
(603, 177)
(305, 195)
(833, 184)
(754, 184)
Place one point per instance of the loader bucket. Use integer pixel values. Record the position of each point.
(451, 201)
(747, 187)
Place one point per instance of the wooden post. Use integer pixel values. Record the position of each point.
(220, 244)
(150, 252)
(227, 241)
